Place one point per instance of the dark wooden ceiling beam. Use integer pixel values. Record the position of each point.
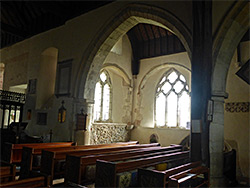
(147, 52)
(142, 31)
(153, 40)
(138, 34)
(25, 13)
(13, 30)
(12, 12)
(11, 20)
(18, 11)
(156, 31)
(53, 8)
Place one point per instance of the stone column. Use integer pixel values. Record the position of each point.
(82, 137)
(216, 141)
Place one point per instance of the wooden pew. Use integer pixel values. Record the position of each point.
(76, 166)
(191, 178)
(106, 172)
(7, 172)
(71, 184)
(13, 152)
(29, 182)
(155, 178)
(51, 160)
(32, 154)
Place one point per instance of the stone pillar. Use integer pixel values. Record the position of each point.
(216, 141)
(82, 137)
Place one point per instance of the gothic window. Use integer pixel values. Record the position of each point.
(102, 106)
(172, 101)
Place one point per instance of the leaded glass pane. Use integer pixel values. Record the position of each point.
(163, 79)
(103, 77)
(172, 110)
(106, 102)
(182, 78)
(160, 109)
(97, 105)
(166, 87)
(184, 110)
(172, 77)
(178, 86)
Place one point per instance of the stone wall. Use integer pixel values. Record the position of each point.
(102, 133)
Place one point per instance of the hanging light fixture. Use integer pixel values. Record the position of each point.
(62, 114)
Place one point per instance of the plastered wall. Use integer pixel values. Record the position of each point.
(237, 124)
(151, 71)
(118, 67)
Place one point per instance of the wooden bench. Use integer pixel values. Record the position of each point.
(29, 182)
(191, 177)
(156, 178)
(7, 172)
(13, 152)
(31, 156)
(53, 163)
(108, 173)
(77, 167)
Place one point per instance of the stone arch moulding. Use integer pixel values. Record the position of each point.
(226, 41)
(2, 65)
(125, 19)
(154, 70)
(119, 71)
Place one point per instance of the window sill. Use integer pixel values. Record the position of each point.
(171, 128)
(108, 123)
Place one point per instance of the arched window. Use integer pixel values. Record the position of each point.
(172, 101)
(102, 106)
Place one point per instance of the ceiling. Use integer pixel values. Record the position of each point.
(151, 41)
(23, 19)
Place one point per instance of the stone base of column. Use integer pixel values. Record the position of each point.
(217, 182)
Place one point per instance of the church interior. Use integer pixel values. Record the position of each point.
(160, 88)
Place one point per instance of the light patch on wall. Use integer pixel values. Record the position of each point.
(18, 88)
(117, 48)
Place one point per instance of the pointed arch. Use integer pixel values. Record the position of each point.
(114, 29)
(226, 41)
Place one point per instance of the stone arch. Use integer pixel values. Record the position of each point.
(2, 65)
(109, 35)
(155, 69)
(226, 41)
(233, 28)
(118, 70)
(46, 84)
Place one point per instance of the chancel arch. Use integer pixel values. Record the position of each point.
(113, 30)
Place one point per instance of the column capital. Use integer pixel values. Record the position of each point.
(219, 94)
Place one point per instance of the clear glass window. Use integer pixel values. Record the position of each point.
(172, 102)
(102, 111)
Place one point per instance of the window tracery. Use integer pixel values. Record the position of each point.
(172, 101)
(102, 105)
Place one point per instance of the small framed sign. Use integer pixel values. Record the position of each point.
(63, 78)
(82, 119)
